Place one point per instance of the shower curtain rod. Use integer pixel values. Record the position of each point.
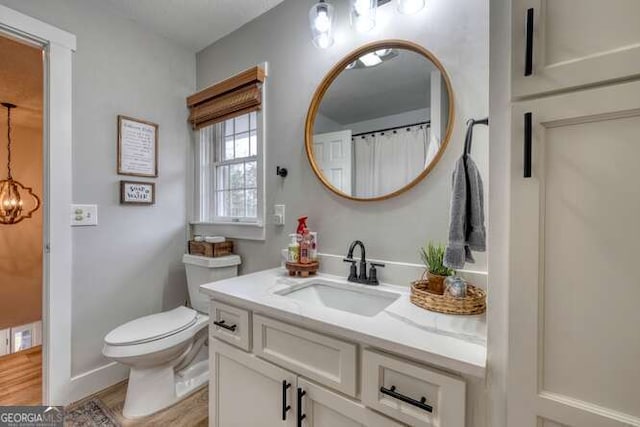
(428, 123)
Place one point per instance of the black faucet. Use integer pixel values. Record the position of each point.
(353, 270)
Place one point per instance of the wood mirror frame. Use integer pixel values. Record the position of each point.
(333, 74)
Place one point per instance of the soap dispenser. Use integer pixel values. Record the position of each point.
(293, 251)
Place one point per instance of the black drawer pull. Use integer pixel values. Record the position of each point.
(528, 118)
(528, 56)
(417, 403)
(301, 416)
(285, 407)
(222, 324)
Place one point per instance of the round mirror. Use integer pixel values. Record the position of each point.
(379, 121)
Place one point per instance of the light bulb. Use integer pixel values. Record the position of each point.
(362, 14)
(324, 40)
(322, 22)
(361, 6)
(408, 7)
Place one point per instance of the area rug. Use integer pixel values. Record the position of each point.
(92, 413)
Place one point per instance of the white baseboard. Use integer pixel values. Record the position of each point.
(90, 382)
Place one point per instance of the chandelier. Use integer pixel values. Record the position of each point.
(12, 192)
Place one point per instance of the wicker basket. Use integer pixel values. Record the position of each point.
(474, 303)
(211, 249)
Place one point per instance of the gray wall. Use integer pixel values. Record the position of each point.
(456, 32)
(129, 265)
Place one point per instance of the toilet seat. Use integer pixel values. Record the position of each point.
(152, 327)
(166, 342)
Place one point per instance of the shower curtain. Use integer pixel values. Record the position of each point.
(386, 162)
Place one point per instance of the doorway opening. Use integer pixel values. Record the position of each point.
(21, 239)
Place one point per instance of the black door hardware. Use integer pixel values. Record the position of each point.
(285, 407)
(528, 118)
(281, 172)
(417, 403)
(223, 324)
(301, 416)
(528, 56)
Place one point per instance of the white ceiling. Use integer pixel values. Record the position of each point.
(194, 24)
(398, 85)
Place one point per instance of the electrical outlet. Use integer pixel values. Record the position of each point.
(83, 215)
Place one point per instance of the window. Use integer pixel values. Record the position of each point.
(228, 187)
(228, 118)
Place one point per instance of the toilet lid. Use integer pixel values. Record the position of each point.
(152, 327)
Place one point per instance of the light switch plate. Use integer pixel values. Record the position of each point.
(278, 215)
(83, 215)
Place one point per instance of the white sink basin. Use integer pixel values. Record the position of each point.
(352, 299)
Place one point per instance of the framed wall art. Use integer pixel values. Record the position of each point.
(137, 193)
(137, 147)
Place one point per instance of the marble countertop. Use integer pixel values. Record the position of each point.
(455, 343)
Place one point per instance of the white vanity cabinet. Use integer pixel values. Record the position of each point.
(573, 43)
(324, 408)
(294, 376)
(246, 391)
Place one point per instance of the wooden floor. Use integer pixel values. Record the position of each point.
(190, 412)
(21, 378)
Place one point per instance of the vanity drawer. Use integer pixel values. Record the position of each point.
(327, 360)
(395, 387)
(230, 324)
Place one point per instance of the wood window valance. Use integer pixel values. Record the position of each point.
(237, 95)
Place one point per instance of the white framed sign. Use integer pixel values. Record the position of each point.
(137, 193)
(137, 147)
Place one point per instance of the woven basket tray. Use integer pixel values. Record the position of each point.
(474, 303)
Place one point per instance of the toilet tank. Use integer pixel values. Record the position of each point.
(201, 270)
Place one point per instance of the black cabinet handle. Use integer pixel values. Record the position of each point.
(223, 324)
(417, 403)
(285, 407)
(528, 118)
(528, 56)
(301, 416)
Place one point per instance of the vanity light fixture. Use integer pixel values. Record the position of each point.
(409, 7)
(321, 22)
(363, 14)
(13, 192)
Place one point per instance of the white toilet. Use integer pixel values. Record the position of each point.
(166, 352)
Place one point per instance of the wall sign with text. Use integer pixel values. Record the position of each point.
(137, 193)
(137, 147)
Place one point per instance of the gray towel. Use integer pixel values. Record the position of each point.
(466, 225)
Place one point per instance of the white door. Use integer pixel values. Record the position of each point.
(574, 43)
(247, 391)
(5, 342)
(333, 154)
(324, 408)
(574, 342)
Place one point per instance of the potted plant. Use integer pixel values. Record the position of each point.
(433, 257)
